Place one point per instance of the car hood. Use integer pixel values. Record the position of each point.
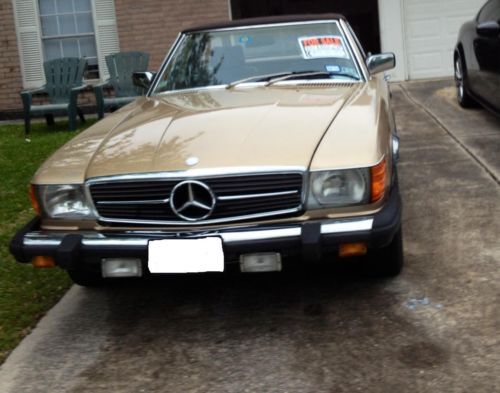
(215, 128)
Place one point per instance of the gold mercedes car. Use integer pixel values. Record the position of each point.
(259, 143)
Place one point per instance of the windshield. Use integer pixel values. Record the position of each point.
(221, 57)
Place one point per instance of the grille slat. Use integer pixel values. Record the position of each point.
(123, 195)
(134, 189)
(242, 203)
(224, 210)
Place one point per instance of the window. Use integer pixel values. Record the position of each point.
(67, 30)
(90, 24)
(221, 57)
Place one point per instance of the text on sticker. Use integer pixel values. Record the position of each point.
(322, 47)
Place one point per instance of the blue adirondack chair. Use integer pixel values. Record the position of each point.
(64, 80)
(121, 66)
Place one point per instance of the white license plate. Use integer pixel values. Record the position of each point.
(186, 255)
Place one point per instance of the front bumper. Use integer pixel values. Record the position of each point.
(311, 240)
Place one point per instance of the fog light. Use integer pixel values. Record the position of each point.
(352, 250)
(121, 267)
(259, 263)
(43, 262)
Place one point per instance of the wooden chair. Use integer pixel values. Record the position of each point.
(121, 66)
(64, 80)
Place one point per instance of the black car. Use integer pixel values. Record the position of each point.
(477, 59)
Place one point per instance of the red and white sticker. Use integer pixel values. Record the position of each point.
(320, 47)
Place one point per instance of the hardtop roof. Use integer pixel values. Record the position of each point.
(267, 20)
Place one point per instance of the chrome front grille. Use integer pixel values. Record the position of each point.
(235, 198)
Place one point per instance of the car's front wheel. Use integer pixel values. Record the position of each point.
(463, 97)
(386, 261)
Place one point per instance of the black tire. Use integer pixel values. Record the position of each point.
(86, 278)
(463, 97)
(387, 261)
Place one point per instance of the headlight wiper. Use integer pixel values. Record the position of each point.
(310, 74)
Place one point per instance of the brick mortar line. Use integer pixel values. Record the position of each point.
(449, 133)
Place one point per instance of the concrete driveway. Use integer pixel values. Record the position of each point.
(433, 329)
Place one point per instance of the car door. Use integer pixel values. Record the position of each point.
(487, 51)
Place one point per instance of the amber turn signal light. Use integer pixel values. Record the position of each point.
(43, 262)
(378, 174)
(352, 250)
(34, 201)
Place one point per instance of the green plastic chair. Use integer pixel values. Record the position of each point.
(64, 80)
(121, 66)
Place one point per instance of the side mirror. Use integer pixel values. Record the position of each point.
(380, 63)
(143, 79)
(488, 29)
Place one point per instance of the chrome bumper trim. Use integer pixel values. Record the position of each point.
(347, 226)
(232, 237)
(50, 239)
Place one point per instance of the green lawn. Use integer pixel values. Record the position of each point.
(25, 293)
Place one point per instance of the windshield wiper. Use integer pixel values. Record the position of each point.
(258, 78)
(281, 76)
(309, 73)
(351, 76)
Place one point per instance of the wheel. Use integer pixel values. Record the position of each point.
(86, 278)
(387, 261)
(463, 97)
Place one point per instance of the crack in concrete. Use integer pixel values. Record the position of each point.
(436, 119)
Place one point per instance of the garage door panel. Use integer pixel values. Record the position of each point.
(427, 62)
(454, 23)
(416, 9)
(431, 30)
(426, 65)
(419, 29)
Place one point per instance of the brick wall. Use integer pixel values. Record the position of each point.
(152, 25)
(10, 69)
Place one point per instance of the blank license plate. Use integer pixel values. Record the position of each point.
(186, 255)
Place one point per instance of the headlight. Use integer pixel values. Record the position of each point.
(64, 201)
(339, 188)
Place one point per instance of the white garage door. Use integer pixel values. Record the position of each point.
(431, 31)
